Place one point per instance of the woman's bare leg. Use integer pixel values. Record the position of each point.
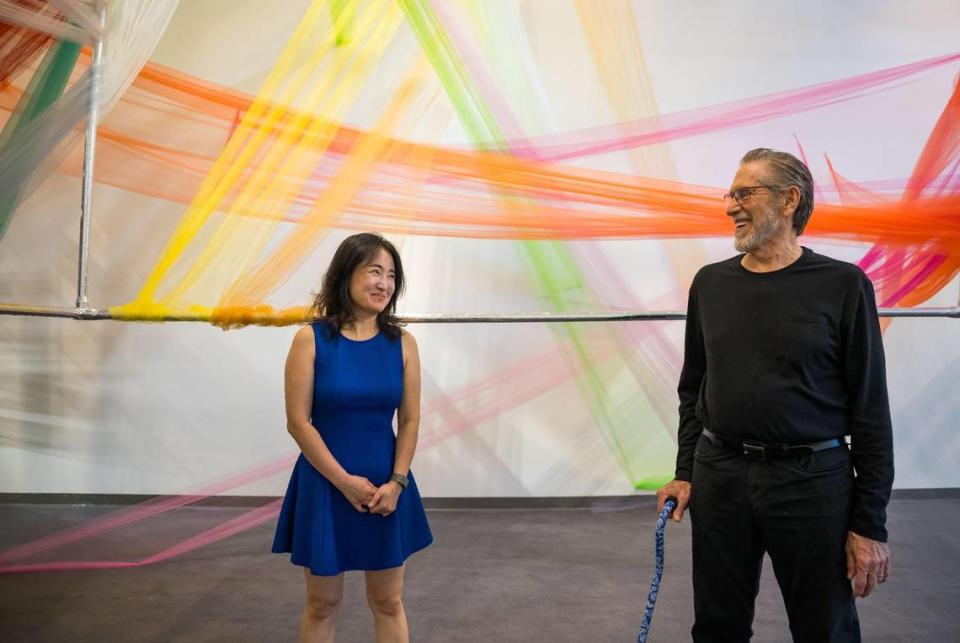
(385, 597)
(319, 620)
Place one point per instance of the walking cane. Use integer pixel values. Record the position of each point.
(668, 507)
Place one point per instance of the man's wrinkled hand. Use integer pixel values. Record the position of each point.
(868, 563)
(679, 489)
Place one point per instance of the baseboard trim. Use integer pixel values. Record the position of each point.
(926, 493)
(595, 503)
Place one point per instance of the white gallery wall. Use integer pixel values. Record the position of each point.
(150, 408)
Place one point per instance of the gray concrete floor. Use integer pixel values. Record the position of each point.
(492, 575)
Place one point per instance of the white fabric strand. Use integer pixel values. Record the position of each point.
(44, 21)
(132, 30)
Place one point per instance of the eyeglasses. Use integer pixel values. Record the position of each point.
(744, 194)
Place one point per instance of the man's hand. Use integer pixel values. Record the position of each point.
(868, 563)
(679, 489)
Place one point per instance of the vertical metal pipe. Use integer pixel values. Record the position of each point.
(89, 151)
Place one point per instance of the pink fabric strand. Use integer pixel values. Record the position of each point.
(140, 512)
(663, 128)
(233, 526)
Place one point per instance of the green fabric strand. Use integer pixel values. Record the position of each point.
(43, 90)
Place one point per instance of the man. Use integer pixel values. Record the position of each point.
(783, 359)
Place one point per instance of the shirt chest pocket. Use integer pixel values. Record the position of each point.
(802, 338)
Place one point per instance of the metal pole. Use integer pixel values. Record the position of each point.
(262, 318)
(18, 310)
(89, 150)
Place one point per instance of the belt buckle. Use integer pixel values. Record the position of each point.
(755, 452)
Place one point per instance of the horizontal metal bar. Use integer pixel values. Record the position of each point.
(663, 315)
(952, 311)
(48, 311)
(544, 317)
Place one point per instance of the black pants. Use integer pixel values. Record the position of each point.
(796, 510)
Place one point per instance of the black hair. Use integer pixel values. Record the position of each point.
(333, 303)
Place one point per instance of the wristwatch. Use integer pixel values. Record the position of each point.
(400, 479)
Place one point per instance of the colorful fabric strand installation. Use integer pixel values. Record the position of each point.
(548, 154)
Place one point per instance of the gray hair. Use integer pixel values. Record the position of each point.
(788, 171)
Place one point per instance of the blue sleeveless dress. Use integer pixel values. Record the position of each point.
(357, 389)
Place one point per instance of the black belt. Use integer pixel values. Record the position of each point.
(754, 450)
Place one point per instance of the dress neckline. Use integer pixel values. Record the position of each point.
(360, 341)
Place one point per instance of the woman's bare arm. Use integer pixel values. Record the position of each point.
(298, 394)
(408, 413)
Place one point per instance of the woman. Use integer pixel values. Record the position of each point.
(352, 502)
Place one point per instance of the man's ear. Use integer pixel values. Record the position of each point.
(791, 200)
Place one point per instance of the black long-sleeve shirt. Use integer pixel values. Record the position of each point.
(790, 356)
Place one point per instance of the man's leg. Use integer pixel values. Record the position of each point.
(803, 514)
(727, 552)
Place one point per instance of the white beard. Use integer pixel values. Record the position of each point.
(761, 230)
